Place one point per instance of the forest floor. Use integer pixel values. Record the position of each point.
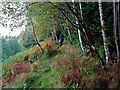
(57, 67)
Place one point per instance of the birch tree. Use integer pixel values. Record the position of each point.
(80, 39)
(105, 41)
(80, 9)
(116, 26)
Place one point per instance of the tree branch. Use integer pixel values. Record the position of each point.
(25, 7)
(61, 10)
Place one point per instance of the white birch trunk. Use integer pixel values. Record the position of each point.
(105, 41)
(80, 9)
(83, 28)
(80, 39)
(116, 17)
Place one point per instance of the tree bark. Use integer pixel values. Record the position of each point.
(80, 10)
(83, 28)
(116, 28)
(105, 41)
(80, 39)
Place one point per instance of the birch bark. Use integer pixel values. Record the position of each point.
(116, 18)
(105, 41)
(118, 8)
(79, 34)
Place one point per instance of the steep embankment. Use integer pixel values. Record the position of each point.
(58, 67)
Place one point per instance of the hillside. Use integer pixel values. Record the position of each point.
(66, 44)
(58, 67)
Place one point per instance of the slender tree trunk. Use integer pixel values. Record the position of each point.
(83, 28)
(80, 39)
(116, 27)
(36, 40)
(105, 41)
(69, 35)
(119, 29)
(80, 10)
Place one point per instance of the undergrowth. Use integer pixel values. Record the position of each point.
(58, 67)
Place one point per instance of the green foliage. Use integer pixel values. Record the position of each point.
(92, 21)
(45, 19)
(10, 47)
(6, 50)
(102, 52)
(26, 38)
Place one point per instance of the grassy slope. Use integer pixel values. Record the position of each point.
(58, 67)
(46, 75)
